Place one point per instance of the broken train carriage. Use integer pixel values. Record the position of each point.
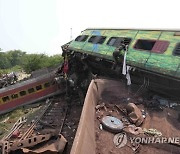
(147, 57)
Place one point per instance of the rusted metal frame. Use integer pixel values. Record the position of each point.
(16, 126)
(26, 140)
(30, 142)
(4, 147)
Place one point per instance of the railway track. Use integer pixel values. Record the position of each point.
(28, 133)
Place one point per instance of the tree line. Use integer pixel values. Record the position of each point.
(19, 60)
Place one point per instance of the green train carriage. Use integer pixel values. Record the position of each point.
(154, 54)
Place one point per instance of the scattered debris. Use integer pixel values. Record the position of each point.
(5, 120)
(173, 105)
(135, 117)
(100, 127)
(162, 101)
(134, 114)
(8, 79)
(16, 133)
(112, 124)
(134, 130)
(125, 121)
(154, 105)
(151, 131)
(100, 106)
(144, 114)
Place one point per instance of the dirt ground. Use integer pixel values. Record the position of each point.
(163, 119)
(71, 124)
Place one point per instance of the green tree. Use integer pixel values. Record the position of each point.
(32, 62)
(4, 61)
(15, 57)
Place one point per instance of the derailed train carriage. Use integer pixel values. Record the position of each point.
(147, 57)
(26, 92)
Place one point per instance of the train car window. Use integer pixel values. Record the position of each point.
(22, 93)
(160, 46)
(14, 96)
(117, 41)
(156, 46)
(92, 39)
(101, 40)
(6, 98)
(31, 90)
(111, 41)
(176, 51)
(144, 44)
(81, 38)
(127, 41)
(39, 87)
(177, 34)
(97, 39)
(47, 84)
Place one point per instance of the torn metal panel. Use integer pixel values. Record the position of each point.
(55, 146)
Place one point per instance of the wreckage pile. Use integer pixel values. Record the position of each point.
(125, 123)
(29, 132)
(8, 79)
(46, 129)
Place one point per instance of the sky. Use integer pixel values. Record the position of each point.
(42, 26)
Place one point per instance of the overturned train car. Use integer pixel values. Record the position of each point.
(27, 92)
(149, 57)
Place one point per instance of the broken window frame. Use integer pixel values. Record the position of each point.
(157, 46)
(97, 39)
(177, 47)
(118, 41)
(31, 90)
(5, 98)
(22, 93)
(39, 87)
(14, 96)
(176, 33)
(47, 84)
(81, 38)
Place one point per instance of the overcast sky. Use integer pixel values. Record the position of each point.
(42, 26)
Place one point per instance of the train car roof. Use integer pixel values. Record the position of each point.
(26, 82)
(140, 29)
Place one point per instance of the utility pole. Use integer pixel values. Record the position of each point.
(70, 34)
